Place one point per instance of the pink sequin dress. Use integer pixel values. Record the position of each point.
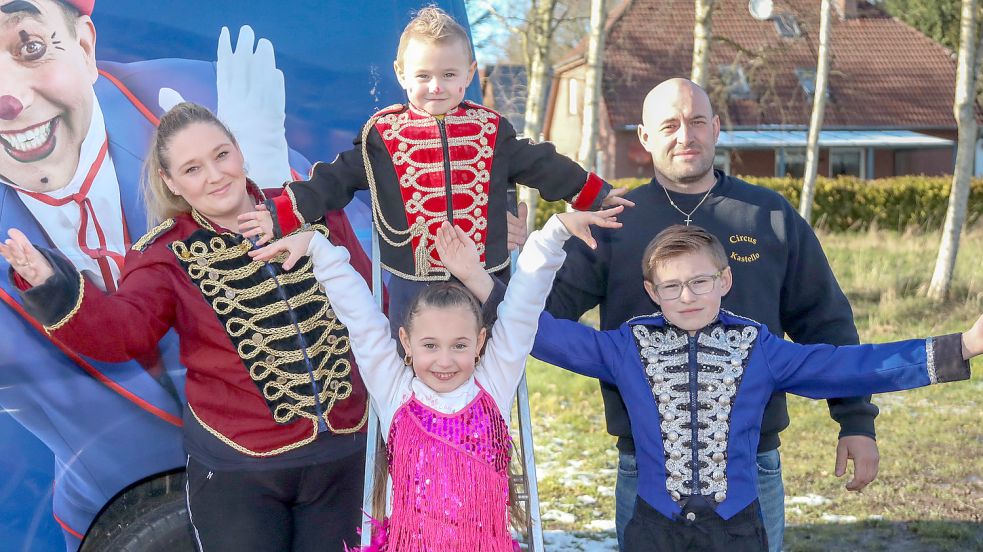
(450, 479)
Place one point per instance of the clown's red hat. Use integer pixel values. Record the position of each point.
(83, 6)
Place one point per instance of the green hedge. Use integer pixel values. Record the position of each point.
(848, 203)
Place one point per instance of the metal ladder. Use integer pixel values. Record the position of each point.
(524, 478)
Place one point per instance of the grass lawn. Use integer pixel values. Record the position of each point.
(929, 492)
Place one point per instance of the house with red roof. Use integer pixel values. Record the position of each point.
(889, 110)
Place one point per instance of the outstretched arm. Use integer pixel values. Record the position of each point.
(515, 330)
(77, 312)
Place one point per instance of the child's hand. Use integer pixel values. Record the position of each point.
(25, 259)
(458, 252)
(578, 222)
(295, 246)
(614, 198)
(973, 340)
(460, 255)
(257, 224)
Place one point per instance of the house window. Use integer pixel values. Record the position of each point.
(786, 26)
(790, 162)
(849, 162)
(734, 81)
(807, 80)
(573, 97)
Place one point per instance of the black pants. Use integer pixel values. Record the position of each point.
(303, 509)
(649, 530)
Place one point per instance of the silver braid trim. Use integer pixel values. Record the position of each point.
(664, 355)
(933, 377)
(722, 356)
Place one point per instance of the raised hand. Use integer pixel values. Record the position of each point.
(294, 245)
(25, 259)
(460, 255)
(457, 251)
(578, 223)
(257, 224)
(614, 198)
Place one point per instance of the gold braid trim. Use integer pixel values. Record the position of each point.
(75, 309)
(354, 429)
(153, 234)
(293, 199)
(202, 221)
(416, 229)
(245, 315)
(435, 276)
(244, 450)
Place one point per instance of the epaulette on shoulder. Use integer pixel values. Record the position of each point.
(473, 105)
(394, 108)
(153, 234)
(737, 319)
(646, 319)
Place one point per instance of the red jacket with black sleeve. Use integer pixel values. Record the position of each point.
(422, 170)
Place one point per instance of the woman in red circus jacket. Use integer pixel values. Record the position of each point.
(275, 414)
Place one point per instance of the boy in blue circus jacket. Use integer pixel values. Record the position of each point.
(695, 380)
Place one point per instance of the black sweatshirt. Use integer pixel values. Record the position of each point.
(781, 279)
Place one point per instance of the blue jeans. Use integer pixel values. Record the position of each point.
(771, 496)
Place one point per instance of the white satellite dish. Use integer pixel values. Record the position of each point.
(762, 10)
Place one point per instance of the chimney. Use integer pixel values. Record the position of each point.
(846, 9)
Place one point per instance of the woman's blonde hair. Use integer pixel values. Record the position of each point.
(160, 202)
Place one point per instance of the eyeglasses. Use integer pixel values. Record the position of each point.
(699, 285)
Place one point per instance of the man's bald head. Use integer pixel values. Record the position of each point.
(672, 91)
(680, 130)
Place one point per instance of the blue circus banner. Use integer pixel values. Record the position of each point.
(75, 433)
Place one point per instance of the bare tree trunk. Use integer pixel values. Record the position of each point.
(963, 109)
(592, 87)
(702, 34)
(539, 37)
(818, 110)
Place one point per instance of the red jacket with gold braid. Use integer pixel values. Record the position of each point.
(247, 380)
(422, 170)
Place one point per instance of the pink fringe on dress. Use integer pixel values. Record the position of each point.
(450, 480)
(380, 530)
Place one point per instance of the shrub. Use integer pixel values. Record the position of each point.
(849, 203)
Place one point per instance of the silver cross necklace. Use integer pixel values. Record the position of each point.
(689, 215)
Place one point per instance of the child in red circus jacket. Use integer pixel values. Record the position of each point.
(436, 158)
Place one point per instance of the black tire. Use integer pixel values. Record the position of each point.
(163, 529)
(150, 516)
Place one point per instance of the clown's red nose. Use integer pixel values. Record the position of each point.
(10, 108)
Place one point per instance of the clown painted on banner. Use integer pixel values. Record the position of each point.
(74, 129)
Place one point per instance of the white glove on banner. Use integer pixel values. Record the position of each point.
(251, 102)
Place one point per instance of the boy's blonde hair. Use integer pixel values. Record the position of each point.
(432, 25)
(678, 240)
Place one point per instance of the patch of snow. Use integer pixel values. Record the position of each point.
(833, 518)
(580, 541)
(808, 500)
(601, 525)
(559, 516)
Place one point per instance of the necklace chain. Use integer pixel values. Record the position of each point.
(689, 215)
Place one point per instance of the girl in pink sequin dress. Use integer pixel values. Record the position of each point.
(444, 407)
